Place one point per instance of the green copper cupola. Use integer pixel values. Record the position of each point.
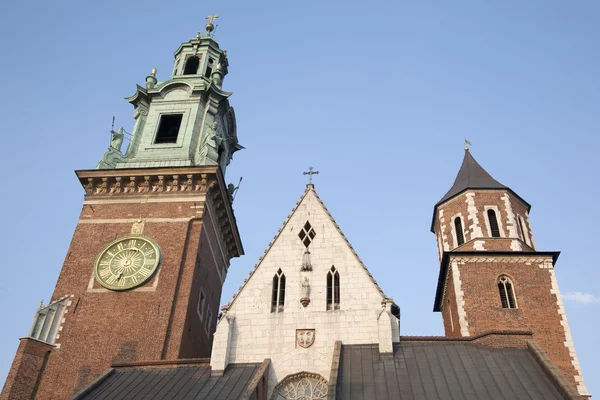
(183, 121)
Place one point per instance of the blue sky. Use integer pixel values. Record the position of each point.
(377, 96)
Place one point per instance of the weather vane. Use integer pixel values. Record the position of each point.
(310, 173)
(467, 144)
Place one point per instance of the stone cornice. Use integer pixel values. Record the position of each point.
(165, 182)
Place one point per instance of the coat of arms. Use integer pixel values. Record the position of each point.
(305, 337)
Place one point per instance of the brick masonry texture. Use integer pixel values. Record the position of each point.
(471, 304)
(537, 311)
(104, 327)
(27, 368)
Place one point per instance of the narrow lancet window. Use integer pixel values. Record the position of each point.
(278, 294)
(460, 237)
(191, 66)
(495, 230)
(333, 289)
(507, 292)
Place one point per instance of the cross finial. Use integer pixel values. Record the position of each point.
(467, 144)
(209, 26)
(310, 173)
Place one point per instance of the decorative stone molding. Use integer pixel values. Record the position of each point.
(304, 385)
(165, 182)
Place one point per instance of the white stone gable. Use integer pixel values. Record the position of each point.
(251, 332)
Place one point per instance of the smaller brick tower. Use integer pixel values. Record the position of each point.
(492, 277)
(143, 275)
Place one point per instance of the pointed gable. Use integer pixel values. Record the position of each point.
(310, 189)
(298, 326)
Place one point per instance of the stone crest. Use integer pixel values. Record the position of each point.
(305, 337)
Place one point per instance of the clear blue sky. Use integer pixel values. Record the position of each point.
(376, 95)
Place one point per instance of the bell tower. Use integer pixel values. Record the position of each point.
(143, 274)
(492, 276)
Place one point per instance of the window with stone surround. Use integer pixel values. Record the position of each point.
(209, 68)
(307, 234)
(458, 229)
(48, 320)
(493, 221)
(278, 294)
(507, 292)
(168, 128)
(333, 289)
(301, 386)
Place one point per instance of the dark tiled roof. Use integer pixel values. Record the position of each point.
(186, 382)
(471, 176)
(442, 370)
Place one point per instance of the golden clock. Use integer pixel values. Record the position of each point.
(127, 262)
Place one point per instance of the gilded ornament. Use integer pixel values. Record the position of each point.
(127, 262)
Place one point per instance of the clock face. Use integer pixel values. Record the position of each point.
(127, 262)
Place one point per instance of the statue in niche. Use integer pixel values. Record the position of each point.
(305, 300)
(116, 140)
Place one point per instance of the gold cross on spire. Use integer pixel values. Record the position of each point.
(211, 18)
(310, 173)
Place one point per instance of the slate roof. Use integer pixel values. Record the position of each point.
(185, 382)
(441, 370)
(472, 176)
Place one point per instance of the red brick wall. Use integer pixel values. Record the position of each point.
(26, 369)
(482, 198)
(537, 307)
(107, 327)
(195, 341)
(449, 308)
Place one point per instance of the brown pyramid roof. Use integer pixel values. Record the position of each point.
(472, 176)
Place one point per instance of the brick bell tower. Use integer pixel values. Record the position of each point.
(143, 275)
(492, 277)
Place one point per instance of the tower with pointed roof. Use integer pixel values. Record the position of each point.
(143, 275)
(492, 276)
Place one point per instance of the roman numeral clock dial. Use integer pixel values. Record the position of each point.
(127, 263)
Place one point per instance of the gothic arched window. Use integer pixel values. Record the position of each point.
(278, 295)
(507, 292)
(333, 289)
(304, 386)
(460, 237)
(191, 66)
(495, 231)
